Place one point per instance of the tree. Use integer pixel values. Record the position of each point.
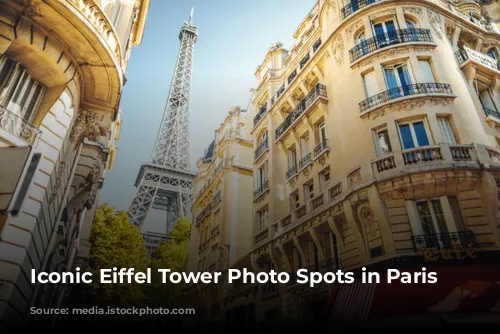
(170, 255)
(115, 243)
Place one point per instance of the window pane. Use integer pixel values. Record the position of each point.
(383, 143)
(421, 134)
(406, 137)
(446, 131)
(425, 68)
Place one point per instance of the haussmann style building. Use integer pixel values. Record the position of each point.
(376, 145)
(62, 70)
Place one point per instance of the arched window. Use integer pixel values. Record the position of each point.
(491, 54)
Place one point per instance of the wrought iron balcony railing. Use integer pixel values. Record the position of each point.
(217, 198)
(449, 240)
(354, 6)
(381, 41)
(204, 213)
(292, 171)
(261, 189)
(261, 149)
(218, 168)
(317, 91)
(322, 147)
(466, 53)
(260, 114)
(491, 113)
(306, 160)
(408, 90)
(17, 126)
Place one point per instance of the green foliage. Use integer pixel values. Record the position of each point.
(115, 243)
(170, 255)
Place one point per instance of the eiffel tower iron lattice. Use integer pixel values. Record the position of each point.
(165, 184)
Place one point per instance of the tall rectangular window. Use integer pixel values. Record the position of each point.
(446, 130)
(413, 134)
(292, 158)
(304, 146)
(370, 82)
(426, 71)
(382, 142)
(398, 80)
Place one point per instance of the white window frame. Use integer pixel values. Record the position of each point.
(322, 133)
(394, 68)
(377, 142)
(412, 131)
(451, 130)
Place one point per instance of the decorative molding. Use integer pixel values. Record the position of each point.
(413, 10)
(86, 125)
(436, 22)
(354, 177)
(387, 12)
(57, 186)
(351, 30)
(338, 49)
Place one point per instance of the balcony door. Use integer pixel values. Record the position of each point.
(413, 134)
(398, 81)
(385, 33)
(433, 223)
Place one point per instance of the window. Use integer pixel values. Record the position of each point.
(292, 158)
(361, 41)
(304, 145)
(433, 221)
(261, 176)
(487, 101)
(309, 191)
(413, 134)
(19, 91)
(426, 70)
(382, 142)
(294, 200)
(385, 32)
(322, 133)
(491, 54)
(398, 80)
(262, 220)
(324, 178)
(446, 130)
(370, 82)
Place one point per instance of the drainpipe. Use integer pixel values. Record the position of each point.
(54, 229)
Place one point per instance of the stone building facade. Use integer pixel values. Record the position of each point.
(62, 71)
(376, 143)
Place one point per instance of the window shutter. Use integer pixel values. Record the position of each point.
(446, 131)
(425, 68)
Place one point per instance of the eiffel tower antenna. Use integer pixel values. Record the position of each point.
(165, 184)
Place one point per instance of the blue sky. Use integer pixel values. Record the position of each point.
(234, 37)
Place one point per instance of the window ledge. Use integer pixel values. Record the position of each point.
(407, 98)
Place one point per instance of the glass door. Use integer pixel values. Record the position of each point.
(385, 33)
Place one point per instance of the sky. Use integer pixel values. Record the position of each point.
(233, 39)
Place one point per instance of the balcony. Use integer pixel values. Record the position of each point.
(286, 221)
(398, 93)
(450, 240)
(319, 91)
(261, 235)
(261, 189)
(305, 161)
(354, 6)
(301, 212)
(218, 169)
(466, 56)
(492, 113)
(335, 191)
(217, 198)
(436, 156)
(291, 172)
(206, 211)
(317, 201)
(261, 149)
(214, 231)
(16, 126)
(259, 115)
(413, 35)
(321, 148)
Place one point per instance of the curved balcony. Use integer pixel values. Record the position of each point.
(354, 6)
(259, 115)
(319, 91)
(381, 41)
(17, 126)
(398, 93)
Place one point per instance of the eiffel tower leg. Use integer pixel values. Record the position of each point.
(141, 203)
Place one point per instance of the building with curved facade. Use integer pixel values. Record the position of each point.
(378, 140)
(62, 71)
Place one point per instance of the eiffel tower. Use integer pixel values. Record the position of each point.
(165, 184)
